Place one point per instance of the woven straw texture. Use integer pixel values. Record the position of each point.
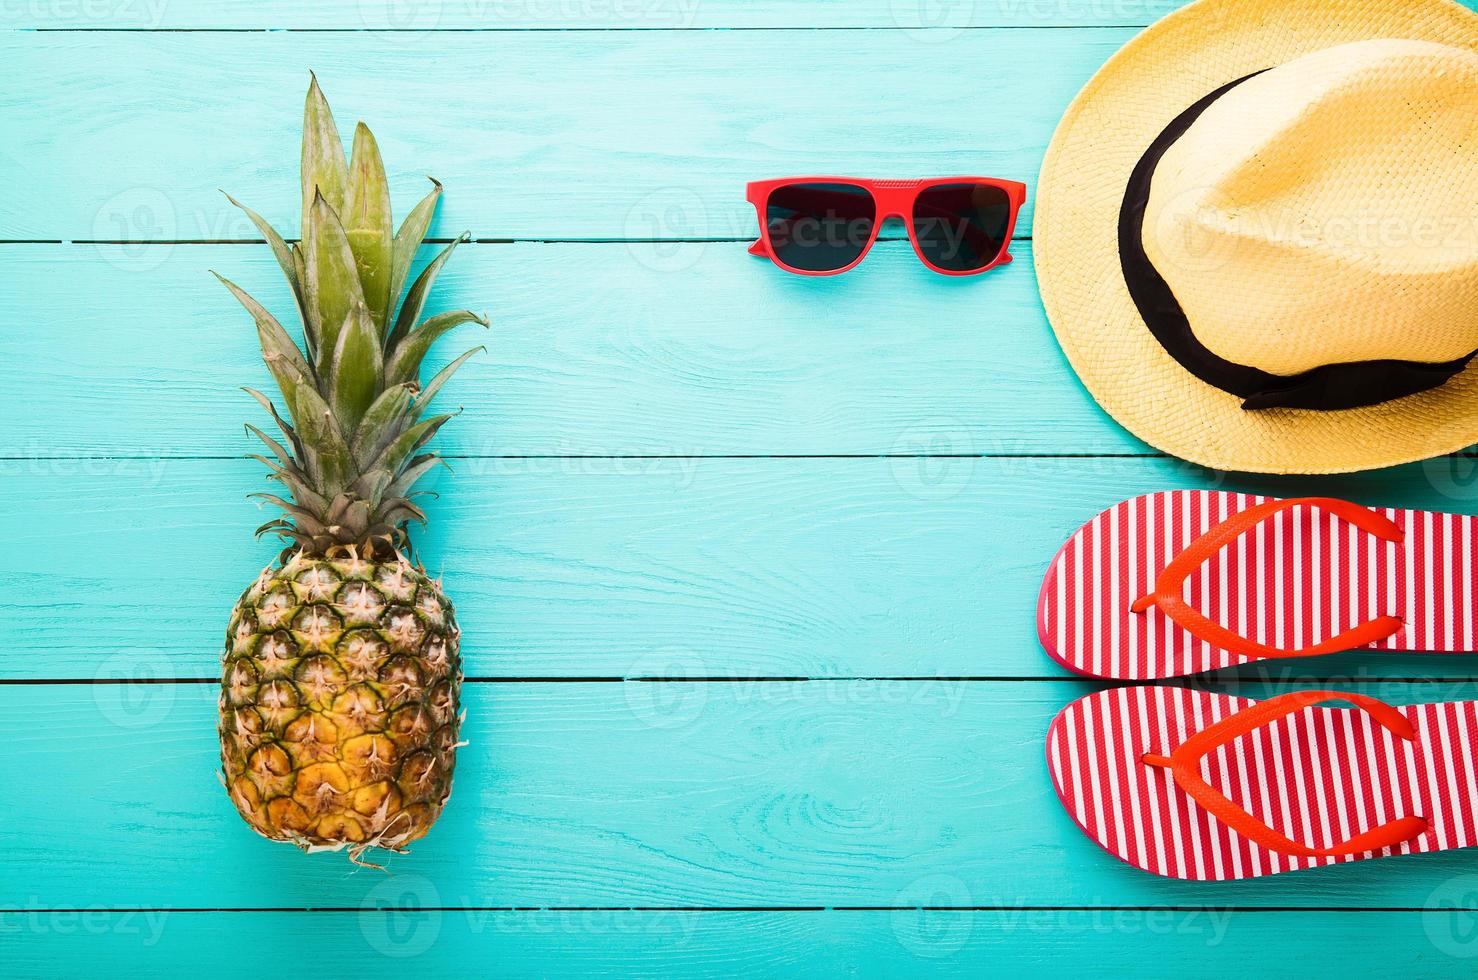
(1314, 215)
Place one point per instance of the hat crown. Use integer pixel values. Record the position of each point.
(1326, 211)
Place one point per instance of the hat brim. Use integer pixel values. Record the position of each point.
(1106, 130)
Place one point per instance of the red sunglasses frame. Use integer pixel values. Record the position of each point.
(894, 199)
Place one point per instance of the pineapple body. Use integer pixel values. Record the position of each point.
(339, 708)
(341, 675)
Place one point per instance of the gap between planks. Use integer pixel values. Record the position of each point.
(170, 242)
(719, 456)
(770, 909)
(1210, 682)
(597, 679)
(567, 30)
(1465, 454)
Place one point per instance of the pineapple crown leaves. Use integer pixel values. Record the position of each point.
(349, 447)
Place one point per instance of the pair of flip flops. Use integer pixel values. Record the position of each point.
(1202, 786)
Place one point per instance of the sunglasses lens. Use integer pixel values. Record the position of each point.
(820, 227)
(962, 227)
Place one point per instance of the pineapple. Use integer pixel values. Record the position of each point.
(341, 674)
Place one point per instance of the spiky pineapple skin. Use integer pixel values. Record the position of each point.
(340, 703)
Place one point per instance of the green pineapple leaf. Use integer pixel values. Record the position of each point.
(329, 462)
(415, 300)
(405, 363)
(294, 479)
(367, 224)
(306, 519)
(442, 377)
(333, 288)
(412, 232)
(280, 249)
(416, 469)
(287, 430)
(384, 421)
(403, 510)
(324, 169)
(399, 451)
(327, 452)
(310, 327)
(278, 449)
(357, 514)
(274, 339)
(371, 486)
(280, 526)
(352, 432)
(355, 370)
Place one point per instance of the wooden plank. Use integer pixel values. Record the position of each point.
(537, 135)
(693, 349)
(1140, 944)
(924, 16)
(626, 568)
(634, 794)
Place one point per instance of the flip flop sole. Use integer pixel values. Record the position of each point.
(1294, 580)
(1318, 776)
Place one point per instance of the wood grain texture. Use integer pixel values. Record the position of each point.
(1138, 944)
(629, 127)
(629, 568)
(542, 134)
(508, 15)
(607, 350)
(818, 793)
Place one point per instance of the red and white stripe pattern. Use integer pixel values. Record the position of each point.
(1318, 776)
(1294, 580)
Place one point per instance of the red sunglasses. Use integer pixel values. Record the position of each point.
(824, 226)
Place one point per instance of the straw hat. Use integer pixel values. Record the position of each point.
(1257, 233)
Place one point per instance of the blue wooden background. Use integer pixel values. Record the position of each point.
(746, 563)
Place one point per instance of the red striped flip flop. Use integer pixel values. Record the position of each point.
(1191, 580)
(1208, 787)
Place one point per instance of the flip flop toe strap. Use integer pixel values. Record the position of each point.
(1184, 765)
(1168, 587)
